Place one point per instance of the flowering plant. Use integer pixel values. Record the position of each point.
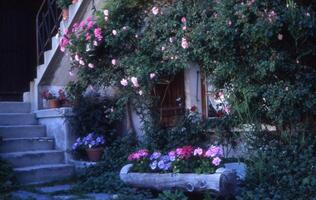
(48, 95)
(92, 140)
(186, 159)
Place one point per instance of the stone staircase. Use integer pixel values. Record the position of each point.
(25, 145)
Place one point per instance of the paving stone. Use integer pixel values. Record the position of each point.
(24, 195)
(53, 189)
(100, 196)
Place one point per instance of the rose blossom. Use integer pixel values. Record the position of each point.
(81, 62)
(184, 43)
(155, 10)
(113, 61)
(140, 92)
(77, 58)
(124, 82)
(135, 81)
(184, 28)
(152, 75)
(216, 161)
(183, 20)
(114, 32)
(106, 12)
(90, 65)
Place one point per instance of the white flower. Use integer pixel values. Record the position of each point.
(171, 40)
(163, 48)
(106, 12)
(71, 73)
(114, 32)
(124, 82)
(152, 75)
(135, 81)
(77, 58)
(140, 92)
(155, 10)
(184, 43)
(95, 43)
(198, 152)
(280, 36)
(90, 65)
(113, 61)
(81, 62)
(106, 18)
(124, 28)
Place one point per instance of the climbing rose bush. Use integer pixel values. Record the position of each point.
(186, 159)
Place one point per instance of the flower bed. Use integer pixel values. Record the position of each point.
(187, 168)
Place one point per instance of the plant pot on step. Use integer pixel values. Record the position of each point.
(53, 103)
(65, 13)
(95, 154)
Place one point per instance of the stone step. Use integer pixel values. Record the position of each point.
(44, 173)
(15, 107)
(32, 158)
(17, 119)
(22, 131)
(10, 145)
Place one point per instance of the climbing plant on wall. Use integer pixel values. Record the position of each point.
(262, 52)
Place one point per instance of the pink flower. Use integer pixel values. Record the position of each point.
(184, 28)
(155, 10)
(95, 43)
(135, 81)
(90, 24)
(183, 20)
(184, 43)
(113, 61)
(81, 62)
(124, 82)
(184, 152)
(216, 161)
(140, 92)
(229, 23)
(152, 75)
(62, 49)
(88, 36)
(198, 152)
(98, 34)
(280, 36)
(63, 43)
(77, 58)
(114, 32)
(213, 151)
(106, 12)
(90, 65)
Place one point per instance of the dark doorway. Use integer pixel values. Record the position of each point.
(17, 47)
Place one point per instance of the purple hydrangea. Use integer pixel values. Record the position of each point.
(155, 156)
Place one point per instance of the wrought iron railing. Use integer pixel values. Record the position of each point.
(47, 25)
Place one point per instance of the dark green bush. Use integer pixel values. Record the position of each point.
(7, 177)
(284, 169)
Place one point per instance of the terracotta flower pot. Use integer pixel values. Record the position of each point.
(65, 13)
(53, 103)
(95, 154)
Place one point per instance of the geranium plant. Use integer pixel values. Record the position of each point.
(186, 159)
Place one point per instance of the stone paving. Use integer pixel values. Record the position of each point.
(56, 193)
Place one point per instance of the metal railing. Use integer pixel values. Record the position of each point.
(47, 25)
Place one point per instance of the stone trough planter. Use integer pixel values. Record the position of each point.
(223, 182)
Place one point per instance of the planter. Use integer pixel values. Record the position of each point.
(74, 1)
(95, 154)
(65, 13)
(223, 182)
(53, 103)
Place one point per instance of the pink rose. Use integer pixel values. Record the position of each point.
(90, 65)
(152, 75)
(183, 20)
(124, 82)
(113, 61)
(184, 43)
(155, 10)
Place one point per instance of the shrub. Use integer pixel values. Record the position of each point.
(172, 195)
(7, 177)
(283, 169)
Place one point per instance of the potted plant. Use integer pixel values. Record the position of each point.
(64, 4)
(93, 145)
(64, 102)
(51, 99)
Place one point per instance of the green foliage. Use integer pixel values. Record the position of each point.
(283, 169)
(172, 195)
(7, 177)
(63, 3)
(95, 114)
